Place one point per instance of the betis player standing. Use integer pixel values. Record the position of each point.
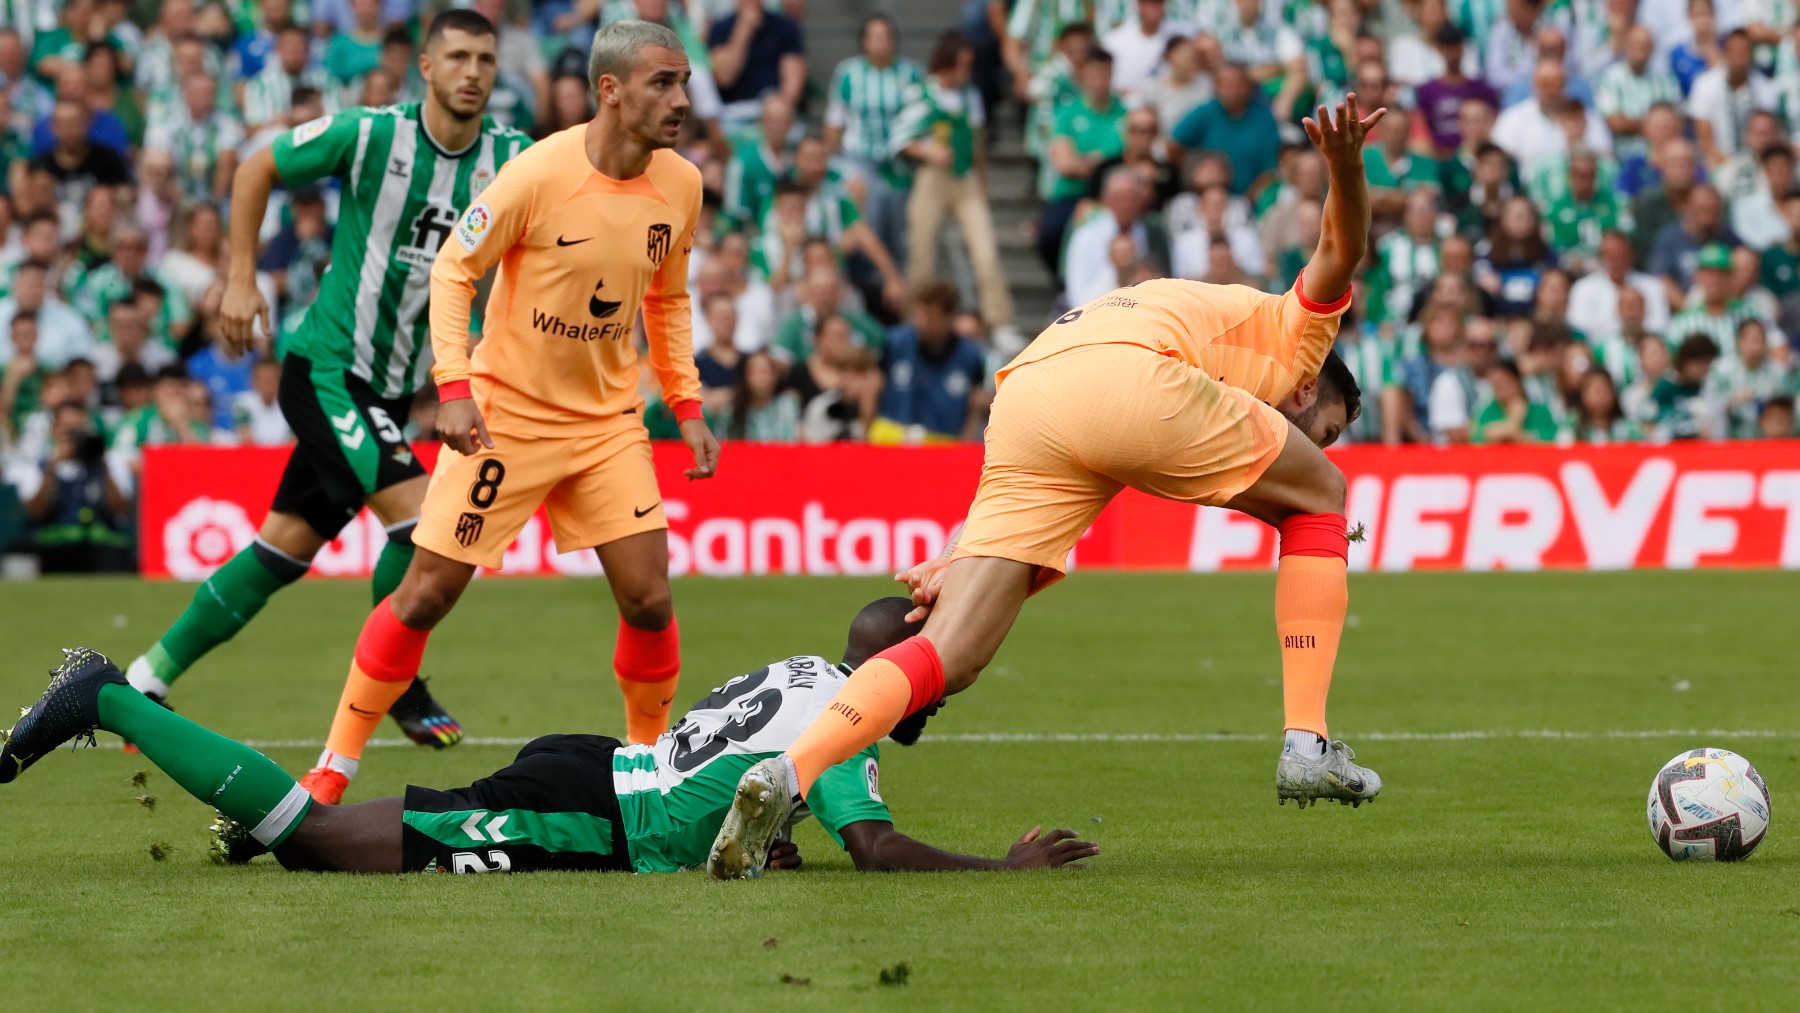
(588, 228)
(406, 172)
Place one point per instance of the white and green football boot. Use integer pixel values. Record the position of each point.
(1309, 779)
(759, 811)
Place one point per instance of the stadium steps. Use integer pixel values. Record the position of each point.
(831, 36)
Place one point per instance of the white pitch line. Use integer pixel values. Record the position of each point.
(1474, 735)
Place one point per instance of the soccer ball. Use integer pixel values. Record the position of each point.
(1710, 805)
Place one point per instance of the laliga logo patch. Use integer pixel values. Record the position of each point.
(474, 225)
(310, 130)
(873, 773)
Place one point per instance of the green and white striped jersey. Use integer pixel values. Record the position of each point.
(1403, 267)
(1619, 92)
(1036, 23)
(1617, 353)
(952, 117)
(1742, 390)
(1722, 328)
(864, 101)
(270, 94)
(673, 795)
(750, 176)
(401, 195)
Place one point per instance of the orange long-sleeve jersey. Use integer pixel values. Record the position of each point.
(1264, 344)
(580, 254)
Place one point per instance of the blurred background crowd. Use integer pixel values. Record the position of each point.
(1585, 211)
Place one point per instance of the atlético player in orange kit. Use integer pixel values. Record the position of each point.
(1209, 394)
(588, 227)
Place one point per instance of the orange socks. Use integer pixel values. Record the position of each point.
(647, 664)
(885, 689)
(1312, 595)
(388, 654)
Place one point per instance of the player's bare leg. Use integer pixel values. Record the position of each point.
(366, 837)
(1302, 495)
(976, 607)
(647, 654)
(420, 716)
(386, 662)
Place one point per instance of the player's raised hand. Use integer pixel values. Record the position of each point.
(1038, 850)
(460, 426)
(242, 306)
(924, 581)
(1340, 140)
(700, 440)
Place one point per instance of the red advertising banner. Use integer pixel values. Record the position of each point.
(853, 509)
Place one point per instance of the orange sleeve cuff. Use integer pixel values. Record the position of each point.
(685, 410)
(453, 390)
(1315, 307)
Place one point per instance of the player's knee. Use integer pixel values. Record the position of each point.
(1334, 490)
(649, 608)
(422, 604)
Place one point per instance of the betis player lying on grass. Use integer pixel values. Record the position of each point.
(572, 802)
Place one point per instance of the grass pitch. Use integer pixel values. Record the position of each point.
(1516, 719)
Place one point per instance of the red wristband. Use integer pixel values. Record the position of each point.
(1315, 307)
(685, 410)
(453, 390)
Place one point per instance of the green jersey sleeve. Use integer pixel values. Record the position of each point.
(849, 793)
(318, 148)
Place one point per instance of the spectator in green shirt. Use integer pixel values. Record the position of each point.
(1087, 130)
(349, 55)
(1509, 416)
(1781, 262)
(1237, 123)
(1683, 409)
(821, 297)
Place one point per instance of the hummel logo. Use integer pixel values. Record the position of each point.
(560, 241)
(397, 167)
(640, 513)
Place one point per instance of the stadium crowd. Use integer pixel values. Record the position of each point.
(1587, 225)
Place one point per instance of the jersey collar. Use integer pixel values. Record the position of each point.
(425, 131)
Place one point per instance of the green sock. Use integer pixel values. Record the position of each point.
(229, 776)
(228, 600)
(393, 562)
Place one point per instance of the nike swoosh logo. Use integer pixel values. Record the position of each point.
(641, 513)
(365, 713)
(560, 241)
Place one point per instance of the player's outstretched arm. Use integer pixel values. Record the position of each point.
(243, 303)
(875, 846)
(1344, 230)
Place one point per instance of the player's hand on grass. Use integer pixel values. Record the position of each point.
(700, 440)
(1341, 140)
(460, 426)
(924, 581)
(242, 306)
(784, 855)
(1038, 850)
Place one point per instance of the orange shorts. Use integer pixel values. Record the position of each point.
(597, 488)
(1068, 432)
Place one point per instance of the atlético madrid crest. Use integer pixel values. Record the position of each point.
(658, 244)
